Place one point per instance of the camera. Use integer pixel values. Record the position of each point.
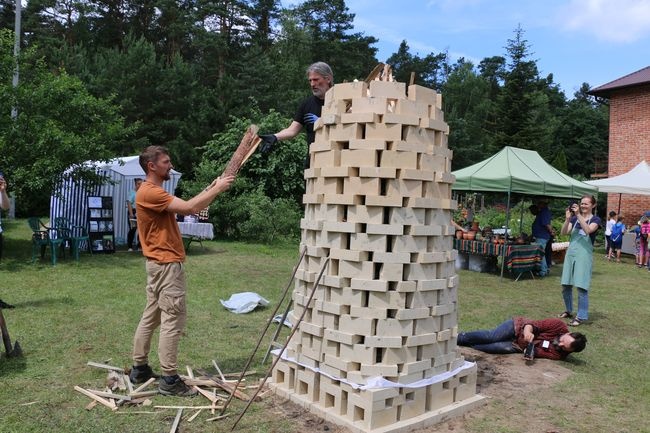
(571, 203)
(529, 353)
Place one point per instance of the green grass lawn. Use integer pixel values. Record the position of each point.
(87, 310)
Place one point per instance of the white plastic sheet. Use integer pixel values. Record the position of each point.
(378, 381)
(240, 303)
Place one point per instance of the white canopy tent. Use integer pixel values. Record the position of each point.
(70, 199)
(635, 181)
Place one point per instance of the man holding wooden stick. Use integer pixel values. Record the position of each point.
(162, 245)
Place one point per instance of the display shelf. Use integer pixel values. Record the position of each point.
(101, 227)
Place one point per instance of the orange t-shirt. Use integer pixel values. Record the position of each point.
(159, 234)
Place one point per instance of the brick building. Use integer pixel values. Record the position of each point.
(629, 134)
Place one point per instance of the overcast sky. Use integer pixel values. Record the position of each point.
(593, 41)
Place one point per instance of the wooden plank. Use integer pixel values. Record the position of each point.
(206, 394)
(144, 385)
(177, 421)
(216, 418)
(256, 142)
(129, 385)
(105, 366)
(183, 407)
(190, 419)
(141, 394)
(110, 395)
(248, 373)
(99, 399)
(374, 73)
(218, 370)
(131, 412)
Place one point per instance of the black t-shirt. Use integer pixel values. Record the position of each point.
(308, 112)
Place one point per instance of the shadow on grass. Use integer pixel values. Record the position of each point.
(204, 251)
(575, 360)
(12, 365)
(63, 300)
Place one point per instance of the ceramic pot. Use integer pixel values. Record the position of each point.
(471, 235)
(459, 234)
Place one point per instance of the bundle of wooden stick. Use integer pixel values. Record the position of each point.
(119, 392)
(246, 148)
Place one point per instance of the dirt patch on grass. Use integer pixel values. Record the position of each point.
(506, 380)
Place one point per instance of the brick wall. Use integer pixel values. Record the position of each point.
(629, 144)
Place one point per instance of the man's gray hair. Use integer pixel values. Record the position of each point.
(323, 69)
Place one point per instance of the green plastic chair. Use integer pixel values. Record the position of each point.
(44, 236)
(74, 235)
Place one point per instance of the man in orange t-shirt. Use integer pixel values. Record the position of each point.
(162, 245)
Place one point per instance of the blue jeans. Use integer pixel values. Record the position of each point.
(583, 301)
(497, 340)
(543, 270)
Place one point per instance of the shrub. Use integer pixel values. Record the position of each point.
(270, 220)
(263, 204)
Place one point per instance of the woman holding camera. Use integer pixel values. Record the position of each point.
(581, 223)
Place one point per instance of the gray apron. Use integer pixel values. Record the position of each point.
(579, 259)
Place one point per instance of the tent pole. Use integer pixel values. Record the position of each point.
(505, 242)
(619, 204)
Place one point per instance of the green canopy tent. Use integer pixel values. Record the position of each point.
(514, 170)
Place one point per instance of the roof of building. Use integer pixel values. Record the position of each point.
(638, 78)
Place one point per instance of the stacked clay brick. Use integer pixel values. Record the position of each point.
(378, 204)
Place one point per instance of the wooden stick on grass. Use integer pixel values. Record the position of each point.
(218, 370)
(105, 366)
(177, 421)
(109, 404)
(190, 419)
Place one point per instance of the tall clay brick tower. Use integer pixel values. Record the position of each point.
(376, 350)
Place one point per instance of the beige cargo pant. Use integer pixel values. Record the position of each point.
(165, 308)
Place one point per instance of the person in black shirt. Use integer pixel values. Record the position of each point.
(320, 79)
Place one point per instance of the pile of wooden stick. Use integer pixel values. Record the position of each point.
(120, 392)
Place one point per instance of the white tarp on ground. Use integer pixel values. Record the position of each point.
(635, 181)
(71, 198)
(245, 302)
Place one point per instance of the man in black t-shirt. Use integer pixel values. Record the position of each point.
(320, 78)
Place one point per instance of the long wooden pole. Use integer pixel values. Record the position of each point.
(293, 331)
(259, 341)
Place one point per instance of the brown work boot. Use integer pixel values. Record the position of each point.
(176, 388)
